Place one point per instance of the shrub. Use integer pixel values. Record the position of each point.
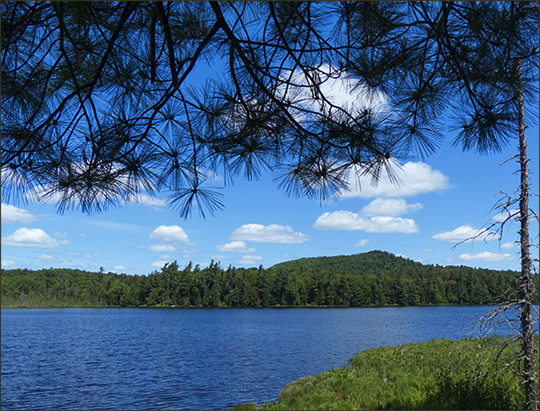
(469, 391)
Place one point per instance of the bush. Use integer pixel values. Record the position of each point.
(472, 392)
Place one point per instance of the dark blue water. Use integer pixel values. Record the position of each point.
(194, 358)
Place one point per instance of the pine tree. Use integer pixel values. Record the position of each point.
(101, 101)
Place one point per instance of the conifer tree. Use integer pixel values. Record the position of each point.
(103, 101)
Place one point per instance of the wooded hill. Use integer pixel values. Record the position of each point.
(370, 279)
(365, 263)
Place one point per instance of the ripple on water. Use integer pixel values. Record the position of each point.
(193, 359)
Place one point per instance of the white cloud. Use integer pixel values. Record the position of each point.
(464, 232)
(347, 221)
(251, 260)
(508, 246)
(120, 267)
(235, 247)
(338, 88)
(362, 243)
(348, 93)
(415, 178)
(389, 207)
(60, 234)
(11, 214)
(274, 233)
(173, 234)
(486, 256)
(253, 257)
(159, 264)
(503, 216)
(29, 237)
(219, 257)
(161, 248)
(8, 263)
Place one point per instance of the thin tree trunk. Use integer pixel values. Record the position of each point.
(526, 284)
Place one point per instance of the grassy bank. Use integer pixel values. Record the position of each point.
(439, 374)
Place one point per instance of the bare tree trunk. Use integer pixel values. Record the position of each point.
(526, 284)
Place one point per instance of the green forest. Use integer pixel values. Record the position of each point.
(370, 279)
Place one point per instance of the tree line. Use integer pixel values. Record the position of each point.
(402, 284)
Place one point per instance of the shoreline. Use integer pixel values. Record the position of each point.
(256, 308)
(434, 374)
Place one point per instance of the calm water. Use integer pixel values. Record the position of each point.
(194, 358)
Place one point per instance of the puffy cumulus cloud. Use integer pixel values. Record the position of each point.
(171, 234)
(347, 93)
(415, 178)
(338, 88)
(362, 243)
(274, 233)
(161, 248)
(120, 267)
(11, 214)
(29, 237)
(465, 233)
(486, 256)
(389, 207)
(251, 260)
(347, 221)
(508, 246)
(235, 247)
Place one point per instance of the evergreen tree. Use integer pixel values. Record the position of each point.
(97, 104)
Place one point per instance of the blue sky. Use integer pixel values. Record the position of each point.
(443, 199)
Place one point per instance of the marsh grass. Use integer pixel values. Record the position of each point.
(438, 374)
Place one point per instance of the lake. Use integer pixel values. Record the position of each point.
(194, 358)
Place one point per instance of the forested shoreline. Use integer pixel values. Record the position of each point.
(370, 279)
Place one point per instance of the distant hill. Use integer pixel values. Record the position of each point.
(364, 263)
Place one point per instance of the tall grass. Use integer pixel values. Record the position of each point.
(438, 374)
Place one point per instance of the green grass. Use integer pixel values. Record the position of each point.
(438, 374)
